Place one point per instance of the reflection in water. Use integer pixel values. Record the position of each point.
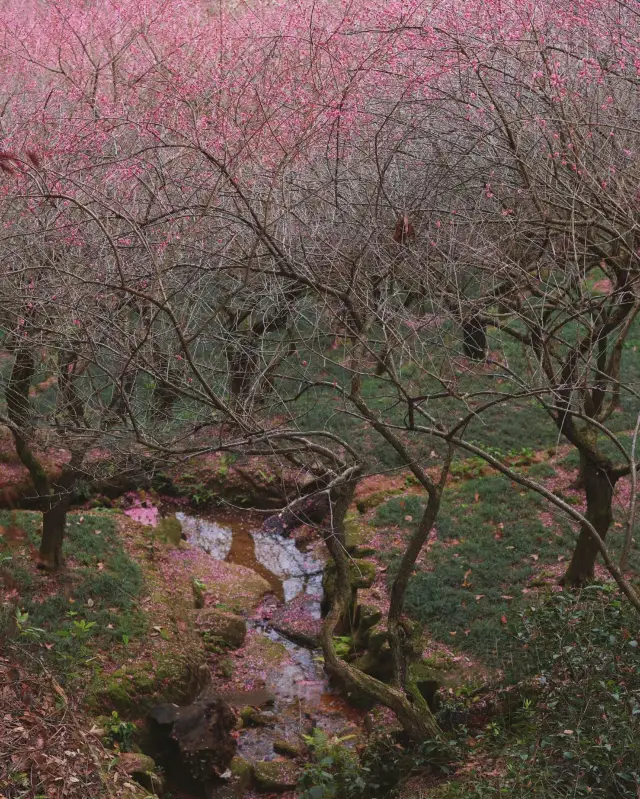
(206, 535)
(296, 572)
(299, 571)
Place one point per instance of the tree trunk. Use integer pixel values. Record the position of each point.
(598, 484)
(53, 527)
(411, 709)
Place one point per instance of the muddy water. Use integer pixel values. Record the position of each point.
(303, 697)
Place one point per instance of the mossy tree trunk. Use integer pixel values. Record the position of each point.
(411, 709)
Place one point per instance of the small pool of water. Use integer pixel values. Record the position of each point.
(289, 571)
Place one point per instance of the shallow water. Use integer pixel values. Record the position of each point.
(288, 570)
(303, 697)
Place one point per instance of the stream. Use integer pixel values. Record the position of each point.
(302, 696)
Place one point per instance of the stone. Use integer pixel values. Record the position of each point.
(276, 775)
(363, 574)
(229, 628)
(196, 738)
(359, 551)
(142, 769)
(198, 594)
(171, 676)
(242, 771)
(287, 748)
(256, 718)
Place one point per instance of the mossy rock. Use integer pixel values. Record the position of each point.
(262, 650)
(360, 551)
(257, 718)
(355, 533)
(376, 664)
(377, 498)
(227, 628)
(142, 769)
(242, 771)
(242, 588)
(276, 775)
(288, 748)
(362, 573)
(169, 530)
(134, 689)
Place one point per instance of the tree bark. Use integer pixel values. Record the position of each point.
(414, 715)
(599, 482)
(54, 519)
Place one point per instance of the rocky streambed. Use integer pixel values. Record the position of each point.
(264, 654)
(280, 657)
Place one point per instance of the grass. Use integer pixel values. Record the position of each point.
(490, 555)
(89, 606)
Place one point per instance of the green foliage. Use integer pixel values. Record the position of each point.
(334, 772)
(343, 645)
(119, 733)
(25, 628)
(93, 606)
(572, 725)
(396, 511)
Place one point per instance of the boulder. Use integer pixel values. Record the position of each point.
(142, 769)
(276, 775)
(217, 625)
(167, 676)
(196, 738)
(288, 748)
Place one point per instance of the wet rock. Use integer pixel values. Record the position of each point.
(307, 640)
(287, 748)
(256, 718)
(276, 775)
(142, 769)
(228, 628)
(196, 738)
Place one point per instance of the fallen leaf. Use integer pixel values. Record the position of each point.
(503, 619)
(479, 597)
